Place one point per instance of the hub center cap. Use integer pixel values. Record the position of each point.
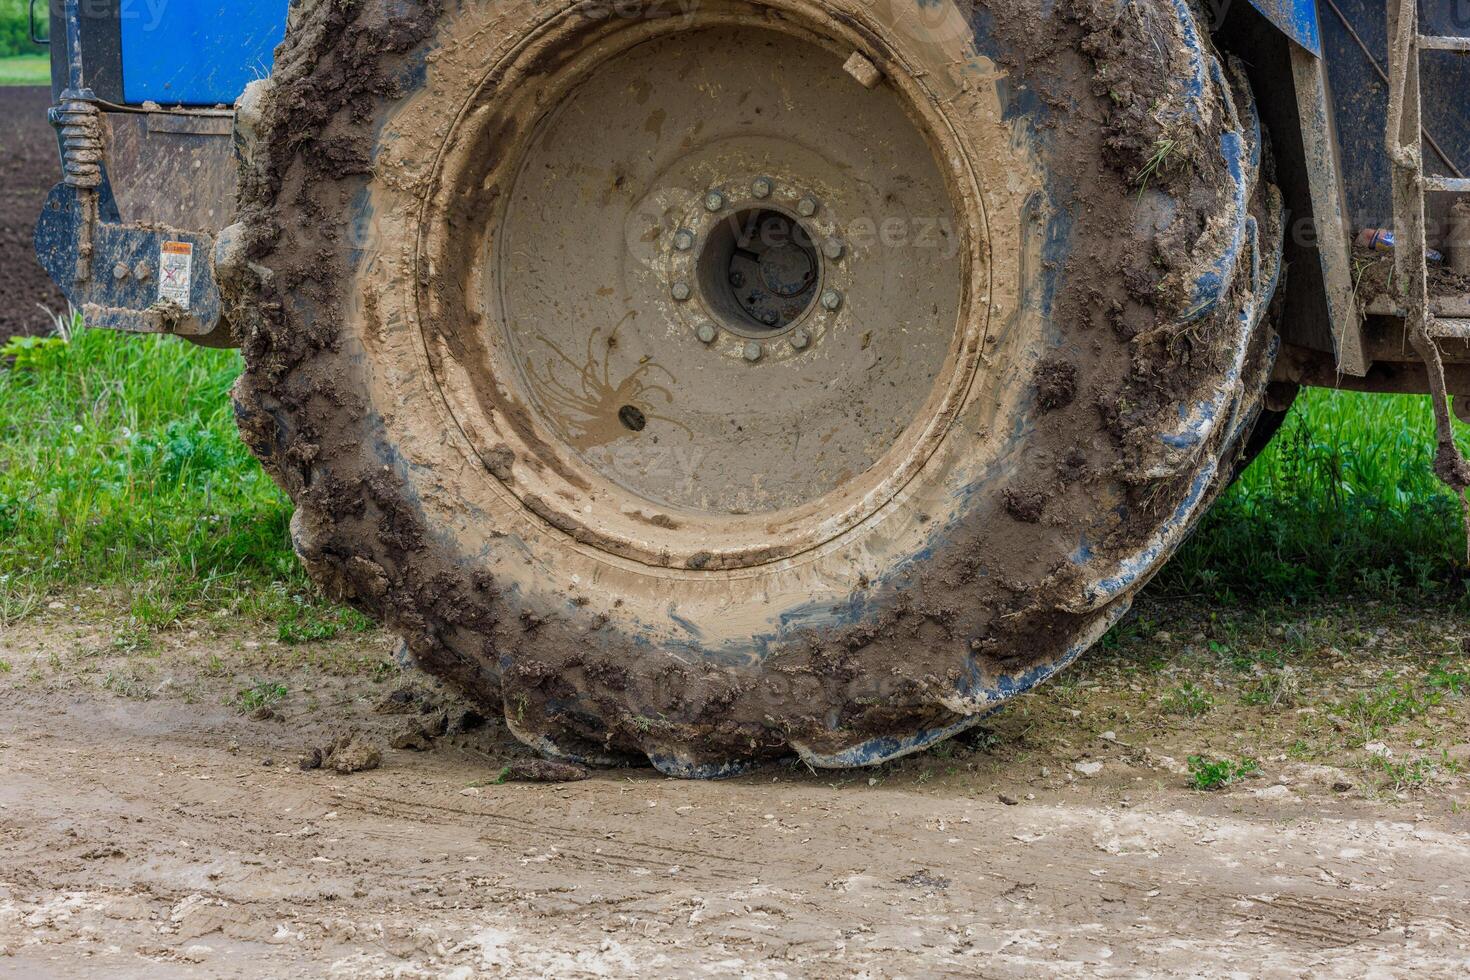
(758, 271)
(787, 270)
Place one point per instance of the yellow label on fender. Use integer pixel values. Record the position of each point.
(175, 269)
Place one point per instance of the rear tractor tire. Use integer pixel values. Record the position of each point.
(718, 384)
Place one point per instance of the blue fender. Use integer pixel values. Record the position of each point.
(1297, 19)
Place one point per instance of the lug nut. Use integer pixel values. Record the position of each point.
(831, 300)
(800, 339)
(832, 249)
(680, 290)
(806, 207)
(760, 187)
(683, 239)
(752, 352)
(713, 201)
(121, 271)
(706, 333)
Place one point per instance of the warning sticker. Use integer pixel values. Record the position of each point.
(175, 266)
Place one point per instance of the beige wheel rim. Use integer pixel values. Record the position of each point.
(659, 406)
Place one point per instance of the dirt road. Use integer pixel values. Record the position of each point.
(150, 827)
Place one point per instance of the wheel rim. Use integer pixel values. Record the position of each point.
(717, 335)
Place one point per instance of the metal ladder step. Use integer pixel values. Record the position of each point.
(1430, 42)
(1457, 185)
(1446, 329)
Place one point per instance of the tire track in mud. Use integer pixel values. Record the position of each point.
(1300, 911)
(516, 830)
(1322, 921)
(153, 825)
(197, 806)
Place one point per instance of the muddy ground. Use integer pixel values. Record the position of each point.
(28, 169)
(154, 820)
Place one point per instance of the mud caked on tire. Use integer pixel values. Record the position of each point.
(708, 383)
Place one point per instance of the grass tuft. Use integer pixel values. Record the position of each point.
(1343, 502)
(1214, 774)
(121, 470)
(1187, 700)
(1156, 164)
(261, 694)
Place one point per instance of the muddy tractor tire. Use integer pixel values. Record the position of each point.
(709, 383)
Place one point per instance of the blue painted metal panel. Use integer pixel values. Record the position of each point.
(127, 275)
(1355, 48)
(1297, 19)
(197, 52)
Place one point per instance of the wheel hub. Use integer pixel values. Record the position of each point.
(757, 273)
(762, 263)
(786, 270)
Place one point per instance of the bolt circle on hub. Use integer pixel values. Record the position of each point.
(758, 271)
(755, 268)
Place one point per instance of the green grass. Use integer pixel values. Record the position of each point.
(25, 69)
(120, 467)
(1276, 689)
(1374, 713)
(1442, 678)
(1154, 165)
(1212, 774)
(1342, 502)
(1187, 700)
(261, 694)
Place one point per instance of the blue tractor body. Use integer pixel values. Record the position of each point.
(1297, 19)
(197, 52)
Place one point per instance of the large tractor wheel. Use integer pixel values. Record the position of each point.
(706, 383)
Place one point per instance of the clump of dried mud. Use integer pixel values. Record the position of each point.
(347, 753)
